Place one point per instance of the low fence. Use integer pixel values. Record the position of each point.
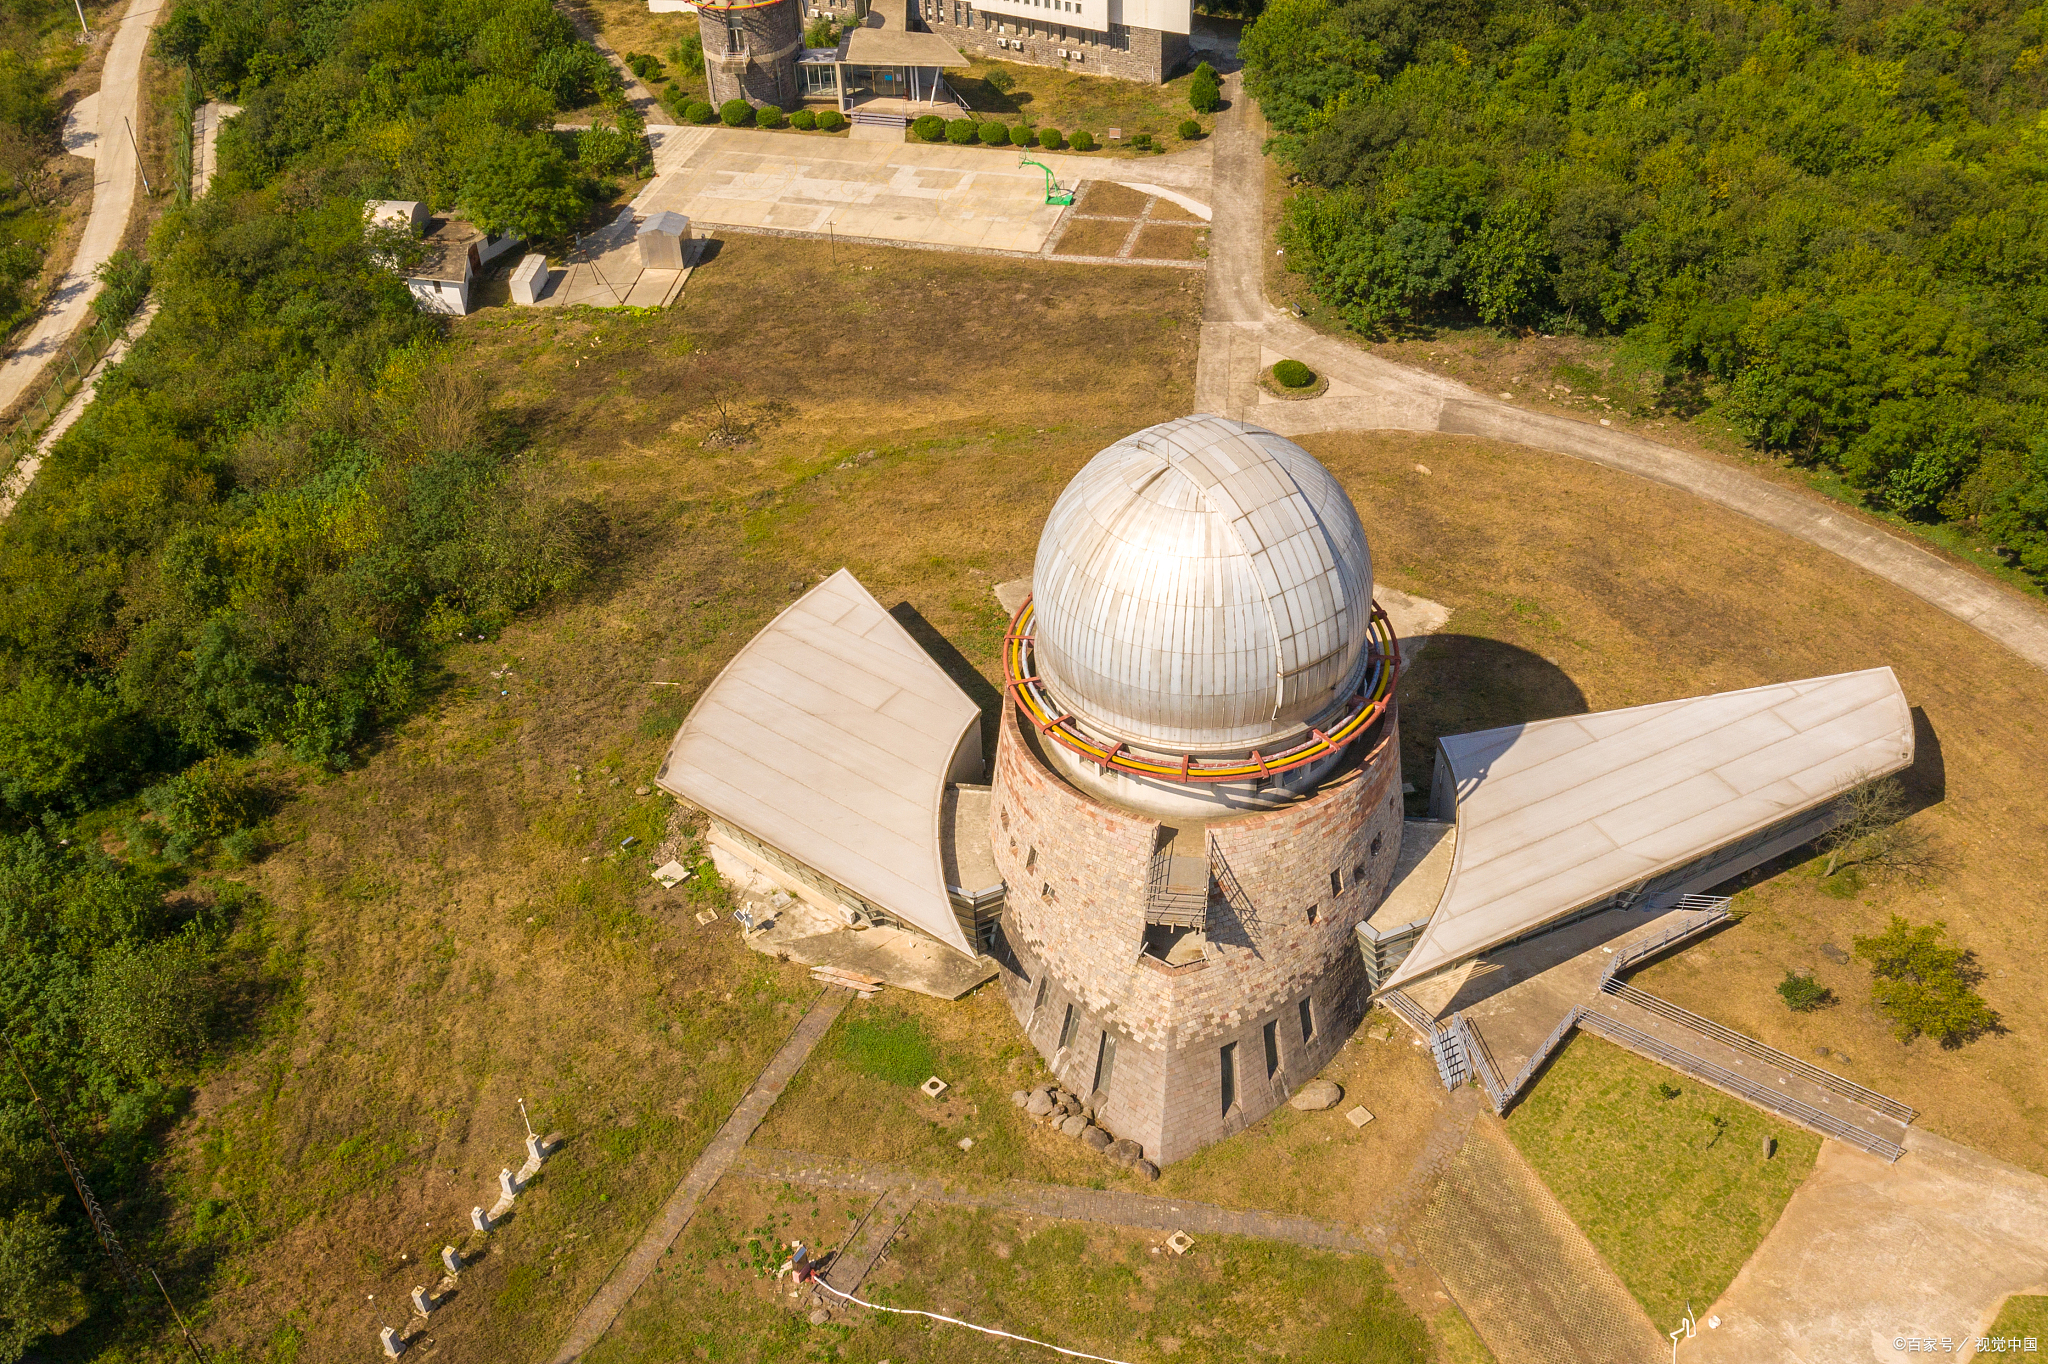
(1740, 1086)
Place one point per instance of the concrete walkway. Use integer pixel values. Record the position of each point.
(116, 181)
(599, 1313)
(24, 473)
(1241, 333)
(1866, 1253)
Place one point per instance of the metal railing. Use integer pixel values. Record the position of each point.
(1635, 1040)
(1482, 1064)
(1177, 904)
(1453, 1066)
(1410, 1013)
(1728, 1037)
(1542, 1053)
(1712, 910)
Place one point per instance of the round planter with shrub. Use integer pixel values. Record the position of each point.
(736, 113)
(1084, 141)
(768, 116)
(961, 131)
(1051, 139)
(803, 120)
(700, 112)
(1293, 374)
(1293, 379)
(995, 134)
(830, 120)
(928, 128)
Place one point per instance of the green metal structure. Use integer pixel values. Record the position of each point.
(1053, 193)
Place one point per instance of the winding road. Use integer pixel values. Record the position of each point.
(116, 179)
(1242, 333)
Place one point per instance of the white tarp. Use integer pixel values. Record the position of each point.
(831, 737)
(1556, 815)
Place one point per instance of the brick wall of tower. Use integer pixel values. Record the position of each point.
(765, 72)
(1078, 873)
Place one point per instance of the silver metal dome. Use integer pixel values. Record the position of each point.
(1202, 586)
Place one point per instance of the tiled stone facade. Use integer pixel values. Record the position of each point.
(1280, 934)
(763, 71)
(1138, 54)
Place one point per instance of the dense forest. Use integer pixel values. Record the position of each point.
(1827, 220)
(245, 556)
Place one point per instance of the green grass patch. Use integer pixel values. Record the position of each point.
(1674, 1191)
(891, 1048)
(2023, 1315)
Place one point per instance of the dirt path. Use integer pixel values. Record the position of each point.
(116, 179)
(1241, 334)
(625, 1280)
(24, 473)
(1868, 1253)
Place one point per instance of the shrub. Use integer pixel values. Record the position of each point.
(768, 116)
(995, 134)
(700, 112)
(1803, 994)
(1024, 135)
(643, 65)
(803, 120)
(1923, 984)
(1084, 141)
(688, 53)
(1189, 130)
(928, 128)
(1000, 81)
(1142, 141)
(822, 33)
(831, 120)
(736, 113)
(1293, 374)
(1205, 92)
(1051, 140)
(961, 131)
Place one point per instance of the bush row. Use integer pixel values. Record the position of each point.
(737, 113)
(963, 132)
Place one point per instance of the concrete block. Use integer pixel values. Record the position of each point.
(422, 1303)
(393, 1343)
(529, 280)
(662, 238)
(451, 1259)
(508, 1187)
(479, 1219)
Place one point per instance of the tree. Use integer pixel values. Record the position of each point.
(1803, 994)
(521, 185)
(1924, 984)
(1205, 92)
(60, 743)
(36, 1296)
(1872, 833)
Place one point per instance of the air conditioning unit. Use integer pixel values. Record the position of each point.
(1077, 55)
(1002, 42)
(1063, 54)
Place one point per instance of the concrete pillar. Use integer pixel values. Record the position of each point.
(421, 1303)
(507, 1185)
(535, 1150)
(479, 1219)
(451, 1259)
(393, 1343)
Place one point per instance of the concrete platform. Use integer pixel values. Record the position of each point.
(605, 272)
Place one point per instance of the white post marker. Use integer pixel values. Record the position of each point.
(523, 1118)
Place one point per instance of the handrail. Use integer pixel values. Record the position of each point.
(1740, 1086)
(1628, 957)
(1542, 1053)
(1481, 1061)
(1411, 1013)
(1826, 1079)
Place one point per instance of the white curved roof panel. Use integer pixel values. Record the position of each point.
(830, 736)
(1560, 814)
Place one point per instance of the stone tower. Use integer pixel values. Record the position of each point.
(1197, 785)
(751, 49)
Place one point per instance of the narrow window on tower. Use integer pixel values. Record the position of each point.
(1308, 1020)
(1315, 912)
(1336, 882)
(1229, 1076)
(1374, 851)
(1067, 1027)
(1357, 875)
(1105, 1061)
(1272, 1049)
(1031, 860)
(1044, 984)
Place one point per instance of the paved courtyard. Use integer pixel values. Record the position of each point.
(918, 194)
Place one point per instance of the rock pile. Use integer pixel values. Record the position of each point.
(1074, 1117)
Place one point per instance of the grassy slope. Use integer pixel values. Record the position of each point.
(461, 930)
(1094, 1289)
(1674, 1191)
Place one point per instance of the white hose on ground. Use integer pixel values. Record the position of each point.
(952, 1321)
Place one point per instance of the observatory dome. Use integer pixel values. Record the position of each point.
(1202, 586)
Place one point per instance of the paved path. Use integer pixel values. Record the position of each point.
(1866, 1253)
(24, 473)
(599, 1313)
(1241, 334)
(115, 183)
(1113, 1207)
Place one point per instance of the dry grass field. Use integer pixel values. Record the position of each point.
(462, 929)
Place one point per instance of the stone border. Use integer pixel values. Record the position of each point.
(1293, 395)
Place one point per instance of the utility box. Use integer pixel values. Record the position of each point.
(529, 280)
(662, 239)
